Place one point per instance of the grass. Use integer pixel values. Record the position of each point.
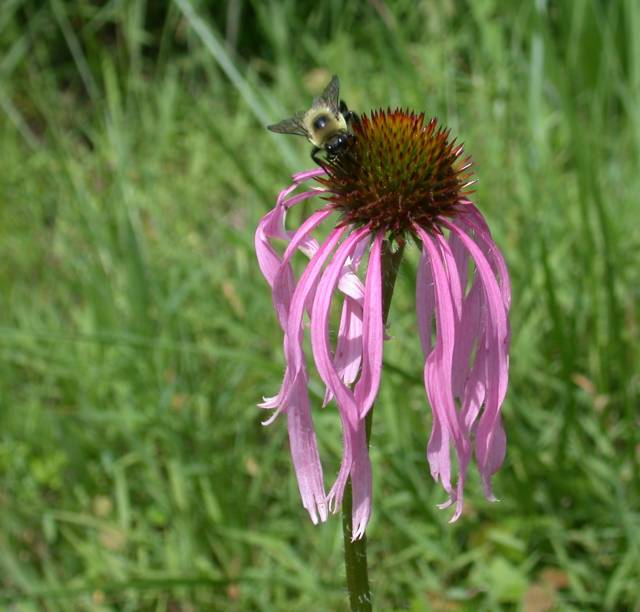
(136, 333)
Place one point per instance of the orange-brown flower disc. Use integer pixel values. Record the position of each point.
(398, 171)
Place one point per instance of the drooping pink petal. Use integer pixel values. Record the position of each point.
(350, 283)
(320, 344)
(425, 304)
(360, 482)
(293, 395)
(439, 454)
(461, 257)
(269, 227)
(348, 354)
(293, 338)
(367, 386)
(438, 366)
(271, 264)
(304, 451)
(282, 281)
(472, 393)
(490, 439)
(468, 338)
(294, 335)
(282, 288)
(467, 330)
(475, 221)
(450, 267)
(349, 345)
(497, 450)
(325, 365)
(277, 270)
(336, 493)
(496, 288)
(272, 227)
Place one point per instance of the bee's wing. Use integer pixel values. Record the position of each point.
(293, 125)
(330, 97)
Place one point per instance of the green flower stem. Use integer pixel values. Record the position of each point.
(355, 560)
(355, 553)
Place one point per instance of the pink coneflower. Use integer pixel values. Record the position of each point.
(399, 180)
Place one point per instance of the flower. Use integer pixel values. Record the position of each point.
(400, 179)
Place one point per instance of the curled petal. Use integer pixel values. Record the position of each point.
(351, 285)
(288, 203)
(269, 227)
(278, 402)
(283, 280)
(307, 174)
(282, 196)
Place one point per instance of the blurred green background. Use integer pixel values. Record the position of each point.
(137, 334)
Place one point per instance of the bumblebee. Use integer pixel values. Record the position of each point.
(327, 124)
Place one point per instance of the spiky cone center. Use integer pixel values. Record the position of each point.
(398, 171)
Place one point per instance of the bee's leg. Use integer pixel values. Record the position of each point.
(314, 155)
(349, 116)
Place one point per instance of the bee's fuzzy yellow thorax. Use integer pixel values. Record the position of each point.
(334, 123)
